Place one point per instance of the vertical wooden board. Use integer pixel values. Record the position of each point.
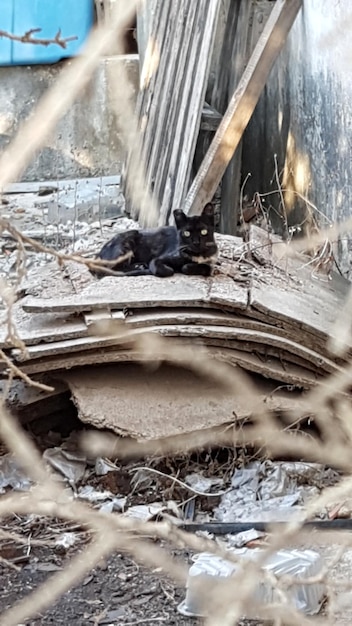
(221, 89)
(196, 88)
(167, 115)
(216, 64)
(159, 92)
(147, 15)
(170, 105)
(152, 21)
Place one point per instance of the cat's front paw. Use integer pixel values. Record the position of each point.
(163, 271)
(196, 269)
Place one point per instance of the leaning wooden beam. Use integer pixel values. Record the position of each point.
(242, 105)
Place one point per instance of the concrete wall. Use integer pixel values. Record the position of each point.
(305, 117)
(86, 141)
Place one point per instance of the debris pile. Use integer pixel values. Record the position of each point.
(261, 311)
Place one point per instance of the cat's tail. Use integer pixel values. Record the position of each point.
(99, 271)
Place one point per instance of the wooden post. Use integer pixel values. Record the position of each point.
(242, 105)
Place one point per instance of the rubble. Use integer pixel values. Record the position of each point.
(96, 342)
(263, 316)
(267, 491)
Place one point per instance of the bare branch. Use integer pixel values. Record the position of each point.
(28, 38)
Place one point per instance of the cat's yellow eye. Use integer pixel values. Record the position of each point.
(204, 231)
(186, 233)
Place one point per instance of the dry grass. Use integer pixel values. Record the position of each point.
(112, 532)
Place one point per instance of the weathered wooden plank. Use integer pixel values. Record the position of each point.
(260, 339)
(221, 89)
(133, 292)
(154, 317)
(158, 116)
(168, 109)
(224, 291)
(172, 97)
(270, 368)
(310, 307)
(231, 63)
(266, 352)
(242, 105)
(42, 327)
(80, 359)
(148, 13)
(49, 328)
(247, 340)
(155, 60)
(193, 93)
(298, 303)
(107, 354)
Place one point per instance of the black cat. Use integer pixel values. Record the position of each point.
(188, 247)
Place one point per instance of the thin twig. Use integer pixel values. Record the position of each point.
(28, 38)
(19, 374)
(179, 482)
(284, 212)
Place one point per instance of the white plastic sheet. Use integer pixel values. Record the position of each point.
(300, 564)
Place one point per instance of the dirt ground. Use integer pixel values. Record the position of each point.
(118, 592)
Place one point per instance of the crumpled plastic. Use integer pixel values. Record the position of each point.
(241, 539)
(104, 466)
(66, 540)
(109, 502)
(71, 465)
(271, 491)
(301, 564)
(145, 512)
(12, 475)
(202, 483)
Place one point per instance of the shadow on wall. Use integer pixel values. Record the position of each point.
(278, 169)
(304, 117)
(309, 133)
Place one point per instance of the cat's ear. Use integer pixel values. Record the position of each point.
(208, 212)
(180, 218)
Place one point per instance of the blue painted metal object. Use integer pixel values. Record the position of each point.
(6, 23)
(74, 18)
